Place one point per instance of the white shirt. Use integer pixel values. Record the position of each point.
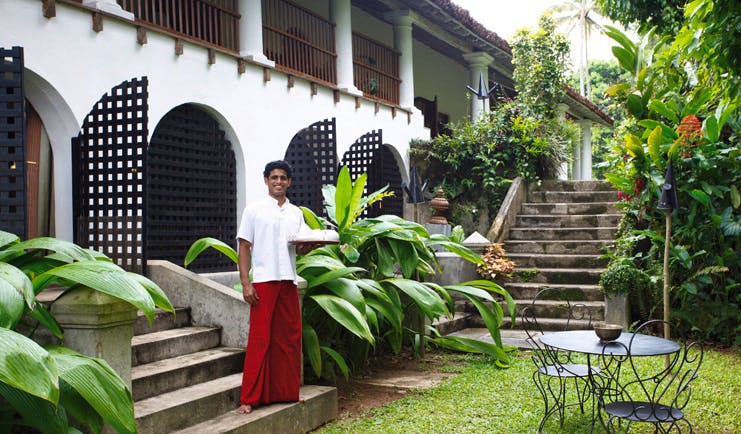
(268, 227)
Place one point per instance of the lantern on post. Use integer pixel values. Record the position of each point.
(668, 202)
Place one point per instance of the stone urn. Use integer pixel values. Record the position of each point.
(440, 205)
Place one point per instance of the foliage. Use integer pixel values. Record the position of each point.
(482, 398)
(477, 161)
(666, 15)
(624, 279)
(541, 61)
(52, 388)
(366, 292)
(680, 112)
(495, 263)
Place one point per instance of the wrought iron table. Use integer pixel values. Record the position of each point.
(587, 342)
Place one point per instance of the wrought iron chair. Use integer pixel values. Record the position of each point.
(555, 368)
(640, 394)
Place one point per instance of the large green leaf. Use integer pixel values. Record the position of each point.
(342, 199)
(701, 197)
(346, 315)
(354, 208)
(26, 366)
(332, 275)
(158, 295)
(204, 243)
(496, 289)
(460, 250)
(428, 300)
(38, 413)
(312, 220)
(406, 255)
(99, 385)
(492, 317)
(11, 303)
(625, 58)
(654, 146)
(6, 238)
(104, 277)
(710, 127)
(311, 348)
(66, 249)
(18, 280)
(667, 132)
(318, 261)
(41, 314)
(386, 261)
(458, 343)
(338, 360)
(347, 290)
(661, 108)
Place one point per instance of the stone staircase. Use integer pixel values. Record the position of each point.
(183, 380)
(559, 234)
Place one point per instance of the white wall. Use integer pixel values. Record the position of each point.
(73, 67)
(437, 74)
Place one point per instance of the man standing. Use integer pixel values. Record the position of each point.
(272, 364)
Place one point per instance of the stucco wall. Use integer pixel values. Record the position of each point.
(430, 69)
(70, 67)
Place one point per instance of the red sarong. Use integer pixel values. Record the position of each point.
(272, 364)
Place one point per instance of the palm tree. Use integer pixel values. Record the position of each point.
(581, 14)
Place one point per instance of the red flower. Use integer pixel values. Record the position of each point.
(690, 133)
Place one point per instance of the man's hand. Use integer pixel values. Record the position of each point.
(249, 294)
(305, 248)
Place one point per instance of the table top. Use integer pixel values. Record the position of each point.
(587, 342)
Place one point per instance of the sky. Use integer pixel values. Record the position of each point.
(504, 17)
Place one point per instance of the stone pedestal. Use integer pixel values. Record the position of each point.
(98, 325)
(616, 310)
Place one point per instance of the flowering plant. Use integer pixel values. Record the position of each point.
(495, 263)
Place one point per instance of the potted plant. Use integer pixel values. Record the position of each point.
(618, 281)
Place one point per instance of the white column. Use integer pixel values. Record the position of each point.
(586, 149)
(402, 22)
(109, 7)
(561, 109)
(478, 65)
(341, 15)
(250, 32)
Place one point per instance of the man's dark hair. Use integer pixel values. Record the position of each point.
(278, 164)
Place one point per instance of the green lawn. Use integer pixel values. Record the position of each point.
(485, 399)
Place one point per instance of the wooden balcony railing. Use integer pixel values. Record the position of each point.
(299, 40)
(376, 69)
(215, 22)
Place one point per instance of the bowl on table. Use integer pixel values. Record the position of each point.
(608, 332)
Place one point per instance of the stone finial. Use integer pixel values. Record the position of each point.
(440, 205)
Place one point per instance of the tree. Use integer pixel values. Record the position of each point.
(666, 15)
(581, 14)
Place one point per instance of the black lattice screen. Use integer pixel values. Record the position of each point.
(313, 155)
(369, 155)
(108, 159)
(191, 173)
(12, 143)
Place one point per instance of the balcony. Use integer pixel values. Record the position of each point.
(299, 41)
(213, 22)
(376, 69)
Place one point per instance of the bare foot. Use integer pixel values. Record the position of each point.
(244, 409)
(301, 399)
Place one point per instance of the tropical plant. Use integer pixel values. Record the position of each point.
(495, 263)
(364, 293)
(52, 388)
(680, 113)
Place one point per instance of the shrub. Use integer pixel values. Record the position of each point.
(495, 263)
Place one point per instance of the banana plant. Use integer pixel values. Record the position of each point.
(52, 388)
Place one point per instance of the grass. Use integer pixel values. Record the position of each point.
(484, 398)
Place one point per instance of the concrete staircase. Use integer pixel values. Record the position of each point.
(183, 380)
(559, 235)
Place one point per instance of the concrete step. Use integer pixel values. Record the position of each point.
(567, 221)
(554, 309)
(558, 247)
(320, 407)
(570, 196)
(574, 185)
(188, 406)
(585, 233)
(535, 260)
(607, 207)
(163, 320)
(166, 375)
(161, 345)
(552, 324)
(528, 290)
(447, 325)
(558, 276)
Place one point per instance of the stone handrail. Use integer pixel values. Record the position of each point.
(505, 219)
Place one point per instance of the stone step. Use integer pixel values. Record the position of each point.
(166, 375)
(319, 407)
(161, 345)
(570, 196)
(559, 309)
(187, 406)
(557, 247)
(553, 324)
(447, 325)
(567, 221)
(582, 208)
(558, 276)
(528, 290)
(534, 260)
(574, 185)
(163, 320)
(585, 233)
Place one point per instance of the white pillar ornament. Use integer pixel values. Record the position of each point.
(341, 16)
(402, 21)
(586, 149)
(250, 33)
